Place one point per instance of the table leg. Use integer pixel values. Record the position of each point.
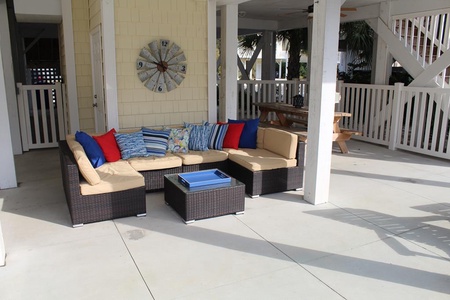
(263, 115)
(282, 119)
(342, 144)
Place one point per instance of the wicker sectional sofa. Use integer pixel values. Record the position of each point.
(118, 189)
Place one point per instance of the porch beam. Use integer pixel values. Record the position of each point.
(254, 57)
(381, 63)
(71, 79)
(242, 69)
(408, 7)
(324, 49)
(109, 64)
(212, 62)
(10, 87)
(268, 56)
(426, 78)
(228, 86)
(8, 170)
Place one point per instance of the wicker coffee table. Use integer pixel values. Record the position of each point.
(204, 202)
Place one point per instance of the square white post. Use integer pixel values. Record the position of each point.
(2, 248)
(324, 54)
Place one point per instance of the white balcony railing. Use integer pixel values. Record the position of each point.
(427, 37)
(409, 118)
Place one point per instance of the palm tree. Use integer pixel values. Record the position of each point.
(359, 38)
(297, 42)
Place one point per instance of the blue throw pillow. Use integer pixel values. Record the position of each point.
(91, 147)
(249, 133)
(131, 144)
(155, 141)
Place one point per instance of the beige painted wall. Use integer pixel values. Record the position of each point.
(81, 15)
(137, 23)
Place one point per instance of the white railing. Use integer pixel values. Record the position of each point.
(250, 91)
(371, 109)
(409, 118)
(426, 37)
(41, 115)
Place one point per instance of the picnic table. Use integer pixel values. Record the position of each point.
(287, 115)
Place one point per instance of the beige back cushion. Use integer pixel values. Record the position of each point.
(280, 142)
(260, 138)
(85, 166)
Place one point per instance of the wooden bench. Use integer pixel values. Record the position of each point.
(298, 120)
(349, 131)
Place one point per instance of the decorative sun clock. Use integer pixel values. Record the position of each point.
(161, 66)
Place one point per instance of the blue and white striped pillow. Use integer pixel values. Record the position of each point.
(131, 144)
(217, 135)
(155, 141)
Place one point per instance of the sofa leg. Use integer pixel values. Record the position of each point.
(239, 213)
(141, 215)
(77, 225)
(254, 196)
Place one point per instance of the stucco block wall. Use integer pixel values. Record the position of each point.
(139, 22)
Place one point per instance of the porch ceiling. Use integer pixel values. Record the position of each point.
(286, 14)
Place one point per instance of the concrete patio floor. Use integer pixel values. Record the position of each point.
(385, 234)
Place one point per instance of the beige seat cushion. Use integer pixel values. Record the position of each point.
(84, 165)
(260, 159)
(198, 157)
(280, 142)
(155, 162)
(115, 176)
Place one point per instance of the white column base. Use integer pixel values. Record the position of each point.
(2, 249)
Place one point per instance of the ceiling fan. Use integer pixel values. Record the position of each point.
(310, 9)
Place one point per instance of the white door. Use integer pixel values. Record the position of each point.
(98, 99)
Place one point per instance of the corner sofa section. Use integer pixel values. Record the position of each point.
(118, 189)
(110, 203)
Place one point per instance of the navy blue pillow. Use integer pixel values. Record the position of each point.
(249, 133)
(91, 147)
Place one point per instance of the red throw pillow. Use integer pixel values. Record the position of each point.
(233, 135)
(108, 144)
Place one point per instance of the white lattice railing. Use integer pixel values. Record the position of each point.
(409, 118)
(426, 37)
(371, 109)
(41, 115)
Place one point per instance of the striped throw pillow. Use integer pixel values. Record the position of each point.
(216, 135)
(155, 141)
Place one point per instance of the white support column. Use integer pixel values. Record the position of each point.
(228, 86)
(109, 64)
(268, 56)
(2, 249)
(8, 170)
(71, 78)
(212, 64)
(10, 86)
(324, 51)
(382, 60)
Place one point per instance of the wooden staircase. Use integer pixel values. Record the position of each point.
(427, 38)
